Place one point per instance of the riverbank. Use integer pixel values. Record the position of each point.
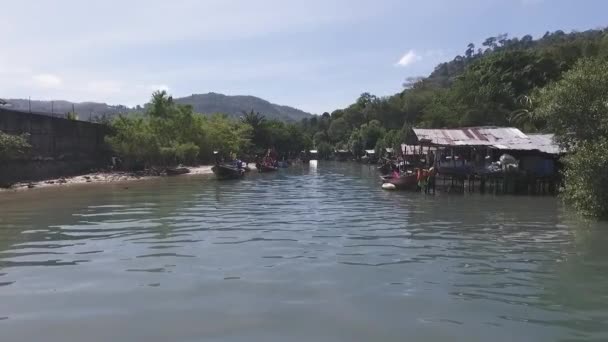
(101, 178)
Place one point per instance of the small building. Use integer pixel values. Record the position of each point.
(467, 150)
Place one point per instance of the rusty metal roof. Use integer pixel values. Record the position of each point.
(502, 138)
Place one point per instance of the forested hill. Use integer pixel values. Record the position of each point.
(494, 84)
(235, 106)
(210, 103)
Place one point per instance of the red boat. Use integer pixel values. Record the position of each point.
(404, 182)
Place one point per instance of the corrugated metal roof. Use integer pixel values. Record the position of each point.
(502, 138)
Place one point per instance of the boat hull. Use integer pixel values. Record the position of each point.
(177, 171)
(405, 182)
(223, 172)
(266, 168)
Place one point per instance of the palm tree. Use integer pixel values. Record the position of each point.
(161, 101)
(524, 117)
(254, 119)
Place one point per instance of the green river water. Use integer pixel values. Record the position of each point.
(311, 253)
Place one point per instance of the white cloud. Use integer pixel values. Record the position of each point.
(47, 81)
(409, 58)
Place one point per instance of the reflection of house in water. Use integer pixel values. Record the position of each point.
(484, 154)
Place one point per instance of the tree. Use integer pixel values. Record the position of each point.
(371, 133)
(586, 179)
(338, 130)
(356, 144)
(576, 107)
(13, 146)
(325, 150)
(256, 121)
(470, 50)
(161, 103)
(228, 136)
(320, 137)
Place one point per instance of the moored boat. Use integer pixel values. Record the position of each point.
(266, 168)
(403, 182)
(223, 172)
(175, 171)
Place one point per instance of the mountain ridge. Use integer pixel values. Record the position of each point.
(207, 104)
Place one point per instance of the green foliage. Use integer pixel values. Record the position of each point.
(325, 150)
(586, 178)
(169, 134)
(356, 144)
(133, 139)
(338, 130)
(371, 133)
(71, 116)
(228, 135)
(13, 146)
(319, 138)
(576, 107)
(256, 121)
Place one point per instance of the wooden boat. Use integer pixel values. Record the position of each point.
(175, 171)
(403, 182)
(266, 168)
(223, 172)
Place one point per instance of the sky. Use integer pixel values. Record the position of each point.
(316, 55)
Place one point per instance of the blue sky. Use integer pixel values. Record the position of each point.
(317, 55)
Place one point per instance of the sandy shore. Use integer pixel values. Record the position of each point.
(100, 177)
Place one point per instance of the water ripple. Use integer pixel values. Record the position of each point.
(307, 247)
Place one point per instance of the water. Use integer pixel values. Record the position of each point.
(306, 254)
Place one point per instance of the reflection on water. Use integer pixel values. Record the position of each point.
(313, 253)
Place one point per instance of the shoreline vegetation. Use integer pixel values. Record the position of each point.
(555, 84)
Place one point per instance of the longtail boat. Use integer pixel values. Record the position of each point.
(177, 171)
(223, 172)
(266, 168)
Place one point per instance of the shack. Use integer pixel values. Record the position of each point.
(487, 153)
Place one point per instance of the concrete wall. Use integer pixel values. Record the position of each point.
(60, 147)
